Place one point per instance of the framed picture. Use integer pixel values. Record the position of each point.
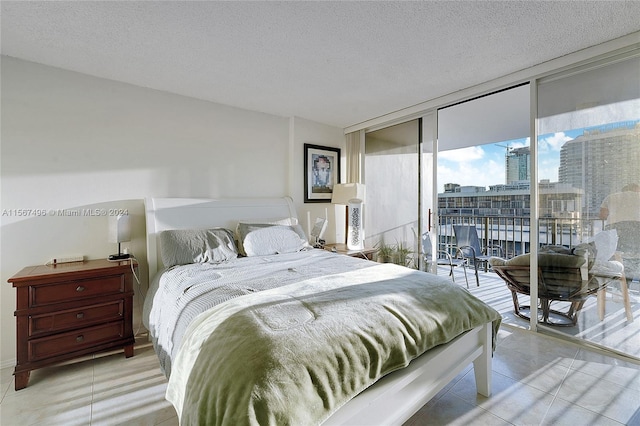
(321, 172)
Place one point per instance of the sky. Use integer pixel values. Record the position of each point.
(483, 165)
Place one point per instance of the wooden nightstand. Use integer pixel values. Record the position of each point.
(365, 253)
(69, 310)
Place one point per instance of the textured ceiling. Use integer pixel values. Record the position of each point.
(339, 63)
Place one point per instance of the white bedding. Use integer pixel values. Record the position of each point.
(295, 353)
(178, 294)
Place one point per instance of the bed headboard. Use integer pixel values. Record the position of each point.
(198, 213)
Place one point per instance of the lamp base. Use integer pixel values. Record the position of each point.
(118, 257)
(355, 233)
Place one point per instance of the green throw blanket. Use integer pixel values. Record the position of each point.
(295, 354)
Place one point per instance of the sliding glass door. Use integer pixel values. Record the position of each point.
(399, 173)
(483, 164)
(589, 142)
(429, 232)
(573, 189)
(391, 176)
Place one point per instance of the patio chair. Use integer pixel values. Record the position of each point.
(468, 244)
(628, 253)
(562, 277)
(443, 258)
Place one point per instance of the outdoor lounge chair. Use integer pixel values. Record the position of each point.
(564, 275)
(443, 258)
(468, 244)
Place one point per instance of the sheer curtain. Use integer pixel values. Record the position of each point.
(353, 152)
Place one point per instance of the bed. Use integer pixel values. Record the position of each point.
(289, 334)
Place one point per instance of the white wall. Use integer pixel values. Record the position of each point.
(305, 131)
(72, 142)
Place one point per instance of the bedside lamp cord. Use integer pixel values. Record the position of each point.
(142, 296)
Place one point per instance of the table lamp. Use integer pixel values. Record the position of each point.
(119, 232)
(352, 196)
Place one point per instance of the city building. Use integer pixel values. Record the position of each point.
(601, 161)
(557, 200)
(517, 165)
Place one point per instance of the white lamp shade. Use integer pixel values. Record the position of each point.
(343, 192)
(119, 228)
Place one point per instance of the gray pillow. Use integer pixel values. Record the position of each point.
(587, 250)
(550, 259)
(555, 249)
(185, 246)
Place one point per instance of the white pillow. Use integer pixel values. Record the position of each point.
(245, 226)
(264, 239)
(606, 244)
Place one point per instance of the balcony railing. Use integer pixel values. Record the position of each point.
(512, 233)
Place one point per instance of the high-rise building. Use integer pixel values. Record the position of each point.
(601, 162)
(517, 165)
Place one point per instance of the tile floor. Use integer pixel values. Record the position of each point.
(614, 332)
(538, 380)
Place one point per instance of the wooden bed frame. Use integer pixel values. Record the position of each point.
(395, 397)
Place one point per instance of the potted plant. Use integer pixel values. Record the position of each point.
(386, 253)
(397, 253)
(403, 254)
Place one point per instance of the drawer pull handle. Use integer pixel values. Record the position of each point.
(80, 288)
(80, 338)
(80, 315)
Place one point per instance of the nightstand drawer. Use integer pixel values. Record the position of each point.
(75, 290)
(65, 343)
(68, 310)
(76, 318)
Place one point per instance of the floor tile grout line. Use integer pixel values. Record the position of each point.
(556, 395)
(557, 391)
(571, 369)
(5, 391)
(589, 410)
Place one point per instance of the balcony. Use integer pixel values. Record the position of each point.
(613, 332)
(512, 233)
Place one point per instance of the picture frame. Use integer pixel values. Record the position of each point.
(321, 172)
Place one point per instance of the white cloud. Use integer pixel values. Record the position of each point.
(462, 155)
(553, 142)
(520, 143)
(548, 166)
(480, 173)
